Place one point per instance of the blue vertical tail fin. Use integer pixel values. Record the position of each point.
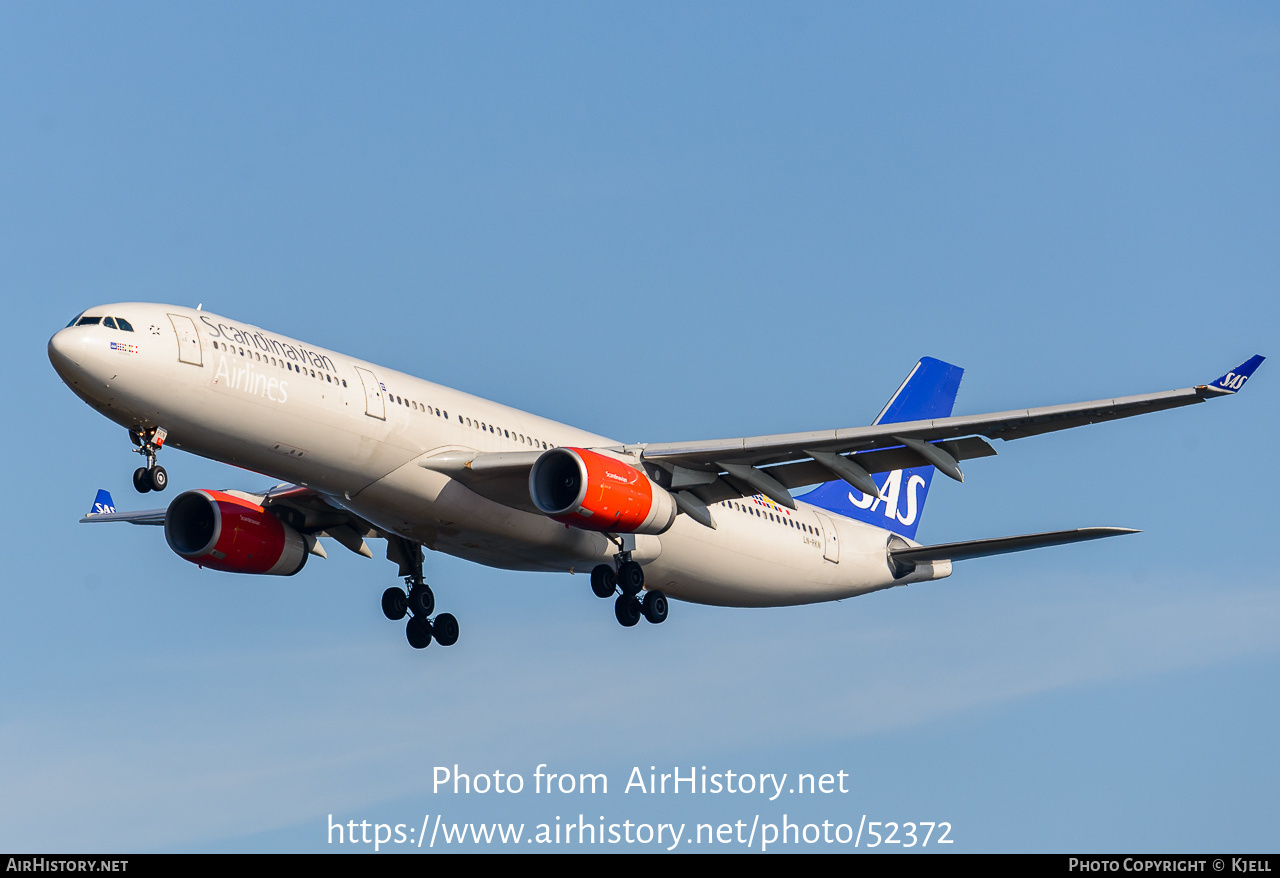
(928, 392)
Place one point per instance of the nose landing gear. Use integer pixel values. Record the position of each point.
(150, 477)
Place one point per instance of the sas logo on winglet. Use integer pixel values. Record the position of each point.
(1232, 381)
(102, 504)
(1235, 379)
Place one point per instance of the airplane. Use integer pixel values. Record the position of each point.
(363, 452)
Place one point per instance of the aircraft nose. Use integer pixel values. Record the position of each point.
(75, 353)
(63, 351)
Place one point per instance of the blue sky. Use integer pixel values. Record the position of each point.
(659, 223)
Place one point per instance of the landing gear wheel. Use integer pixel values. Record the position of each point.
(627, 609)
(149, 442)
(395, 604)
(421, 601)
(158, 478)
(604, 582)
(445, 628)
(630, 578)
(419, 632)
(655, 607)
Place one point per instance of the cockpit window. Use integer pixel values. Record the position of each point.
(108, 323)
(124, 324)
(74, 319)
(89, 321)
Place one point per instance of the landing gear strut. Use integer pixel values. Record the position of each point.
(627, 583)
(150, 477)
(420, 602)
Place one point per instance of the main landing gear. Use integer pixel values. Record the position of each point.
(418, 604)
(627, 582)
(150, 477)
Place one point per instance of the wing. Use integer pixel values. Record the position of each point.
(702, 473)
(141, 516)
(305, 510)
(724, 468)
(104, 509)
(501, 476)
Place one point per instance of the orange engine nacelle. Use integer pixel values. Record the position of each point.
(593, 491)
(224, 532)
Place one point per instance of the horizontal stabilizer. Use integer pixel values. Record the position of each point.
(1002, 545)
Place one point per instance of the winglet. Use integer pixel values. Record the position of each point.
(1235, 379)
(102, 504)
(104, 509)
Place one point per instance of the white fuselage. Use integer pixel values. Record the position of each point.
(355, 432)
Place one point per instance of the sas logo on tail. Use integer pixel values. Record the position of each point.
(892, 491)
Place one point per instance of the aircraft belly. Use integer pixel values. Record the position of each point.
(754, 563)
(446, 516)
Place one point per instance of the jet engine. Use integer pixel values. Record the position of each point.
(593, 491)
(224, 532)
